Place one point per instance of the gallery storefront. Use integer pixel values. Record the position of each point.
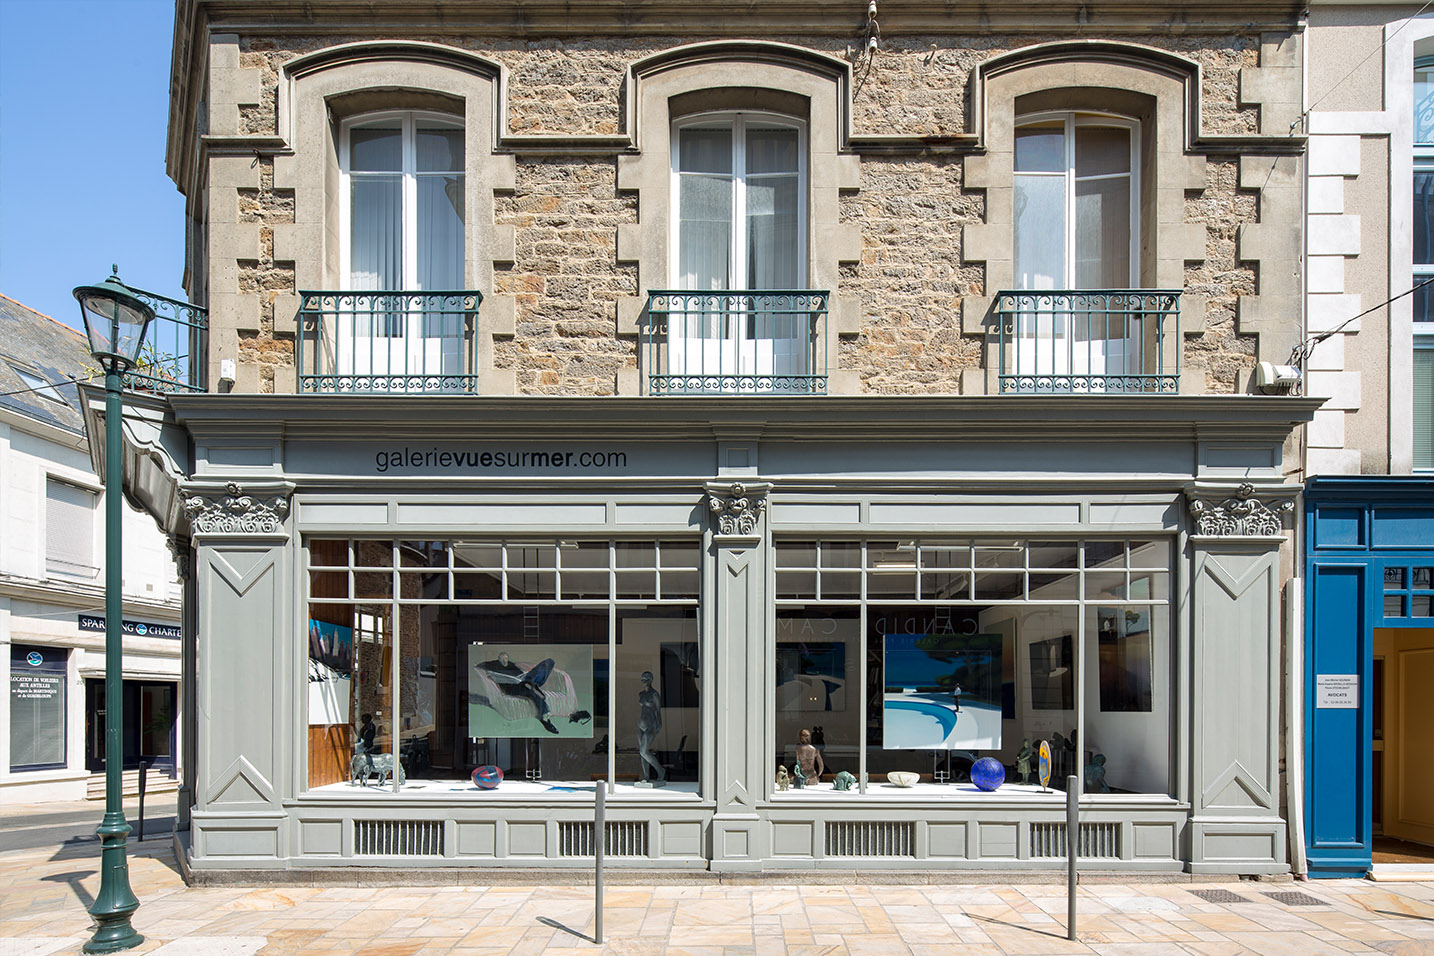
(680, 597)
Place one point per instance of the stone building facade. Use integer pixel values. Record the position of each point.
(740, 360)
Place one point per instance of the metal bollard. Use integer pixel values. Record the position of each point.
(1072, 851)
(599, 850)
(142, 768)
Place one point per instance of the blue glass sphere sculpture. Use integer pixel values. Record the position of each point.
(988, 774)
(487, 777)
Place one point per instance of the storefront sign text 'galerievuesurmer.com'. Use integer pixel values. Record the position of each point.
(475, 461)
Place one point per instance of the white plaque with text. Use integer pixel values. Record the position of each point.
(1337, 691)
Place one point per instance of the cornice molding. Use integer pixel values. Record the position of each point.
(960, 419)
(689, 18)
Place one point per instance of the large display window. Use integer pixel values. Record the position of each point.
(560, 663)
(903, 662)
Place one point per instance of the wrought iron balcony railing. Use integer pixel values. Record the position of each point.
(388, 342)
(730, 342)
(1089, 341)
(175, 353)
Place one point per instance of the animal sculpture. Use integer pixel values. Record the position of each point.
(360, 772)
(845, 780)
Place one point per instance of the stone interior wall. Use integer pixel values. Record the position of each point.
(911, 278)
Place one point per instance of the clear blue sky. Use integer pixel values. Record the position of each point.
(84, 101)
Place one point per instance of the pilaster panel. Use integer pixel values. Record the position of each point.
(1236, 668)
(246, 690)
(740, 655)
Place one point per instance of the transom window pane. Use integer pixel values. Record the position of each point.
(440, 149)
(1424, 103)
(772, 150)
(705, 150)
(1040, 149)
(1101, 150)
(376, 149)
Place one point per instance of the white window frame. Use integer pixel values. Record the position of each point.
(409, 120)
(1071, 120)
(1422, 162)
(739, 346)
(738, 119)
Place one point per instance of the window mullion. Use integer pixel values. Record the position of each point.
(739, 206)
(1068, 136)
(410, 203)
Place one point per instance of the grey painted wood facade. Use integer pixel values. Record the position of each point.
(268, 472)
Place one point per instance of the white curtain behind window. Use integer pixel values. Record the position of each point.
(772, 184)
(704, 206)
(376, 214)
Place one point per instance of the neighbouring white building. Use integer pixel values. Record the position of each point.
(1369, 494)
(52, 745)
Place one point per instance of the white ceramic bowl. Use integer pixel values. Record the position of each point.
(903, 778)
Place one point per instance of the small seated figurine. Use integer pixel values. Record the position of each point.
(784, 782)
(799, 779)
(809, 758)
(1095, 775)
(845, 780)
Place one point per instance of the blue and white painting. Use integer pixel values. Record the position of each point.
(942, 692)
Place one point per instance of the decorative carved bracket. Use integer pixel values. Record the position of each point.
(1218, 513)
(737, 507)
(231, 510)
(179, 550)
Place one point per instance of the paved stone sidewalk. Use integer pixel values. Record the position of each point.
(44, 895)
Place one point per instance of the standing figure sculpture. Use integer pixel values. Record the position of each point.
(649, 722)
(367, 731)
(1023, 760)
(809, 760)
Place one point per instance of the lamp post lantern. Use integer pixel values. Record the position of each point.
(115, 322)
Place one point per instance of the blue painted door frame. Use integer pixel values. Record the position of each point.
(1355, 529)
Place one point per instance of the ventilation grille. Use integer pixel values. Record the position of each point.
(1295, 898)
(1220, 896)
(865, 838)
(398, 838)
(624, 838)
(1098, 841)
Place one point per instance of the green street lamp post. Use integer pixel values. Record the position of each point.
(115, 321)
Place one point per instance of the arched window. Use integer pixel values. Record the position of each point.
(1077, 224)
(401, 231)
(403, 181)
(740, 193)
(1076, 218)
(739, 188)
